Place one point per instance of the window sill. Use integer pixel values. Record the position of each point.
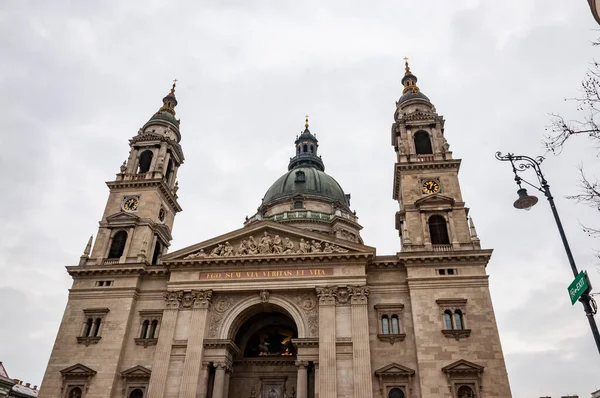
(457, 334)
(88, 340)
(391, 338)
(146, 342)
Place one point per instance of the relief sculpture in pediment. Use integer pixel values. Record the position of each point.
(267, 245)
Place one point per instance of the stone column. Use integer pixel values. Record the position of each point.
(452, 232)
(162, 356)
(327, 340)
(226, 387)
(219, 386)
(195, 343)
(302, 380)
(203, 384)
(316, 379)
(361, 353)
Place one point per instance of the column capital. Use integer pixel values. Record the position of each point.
(202, 298)
(327, 295)
(301, 364)
(358, 294)
(173, 299)
(186, 299)
(221, 365)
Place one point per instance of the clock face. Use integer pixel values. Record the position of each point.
(130, 204)
(431, 186)
(161, 214)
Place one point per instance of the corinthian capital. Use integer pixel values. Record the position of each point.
(202, 298)
(327, 295)
(173, 298)
(359, 294)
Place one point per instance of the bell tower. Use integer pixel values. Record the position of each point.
(432, 215)
(138, 218)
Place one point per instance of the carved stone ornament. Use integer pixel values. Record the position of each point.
(267, 245)
(359, 294)
(308, 303)
(343, 295)
(327, 295)
(180, 299)
(222, 303)
(264, 296)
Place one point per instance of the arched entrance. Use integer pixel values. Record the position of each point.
(265, 364)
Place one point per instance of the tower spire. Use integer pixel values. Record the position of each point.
(169, 101)
(409, 81)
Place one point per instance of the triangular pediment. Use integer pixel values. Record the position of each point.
(267, 238)
(436, 200)
(138, 372)
(78, 370)
(462, 366)
(394, 369)
(122, 216)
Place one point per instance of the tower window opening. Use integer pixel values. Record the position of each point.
(145, 161)
(300, 176)
(458, 320)
(156, 254)
(465, 392)
(438, 231)
(169, 172)
(118, 245)
(137, 393)
(304, 148)
(448, 320)
(312, 149)
(396, 393)
(88, 327)
(153, 327)
(385, 325)
(423, 143)
(298, 149)
(298, 204)
(395, 325)
(96, 327)
(145, 330)
(75, 393)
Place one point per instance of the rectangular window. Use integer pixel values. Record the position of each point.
(104, 283)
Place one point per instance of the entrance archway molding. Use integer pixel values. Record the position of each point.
(226, 332)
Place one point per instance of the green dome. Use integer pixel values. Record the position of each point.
(166, 116)
(316, 183)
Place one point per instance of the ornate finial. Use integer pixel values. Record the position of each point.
(306, 121)
(409, 81)
(88, 247)
(173, 88)
(169, 102)
(406, 67)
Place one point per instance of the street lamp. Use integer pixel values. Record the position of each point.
(525, 202)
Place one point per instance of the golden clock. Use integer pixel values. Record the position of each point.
(130, 204)
(430, 186)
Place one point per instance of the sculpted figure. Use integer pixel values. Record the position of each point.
(265, 244)
(338, 249)
(216, 252)
(273, 393)
(198, 254)
(253, 393)
(288, 246)
(304, 247)
(242, 249)
(227, 250)
(252, 248)
(328, 248)
(277, 245)
(315, 247)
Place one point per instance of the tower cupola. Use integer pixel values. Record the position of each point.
(306, 151)
(165, 116)
(410, 91)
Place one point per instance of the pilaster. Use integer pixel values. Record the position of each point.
(327, 340)
(361, 353)
(302, 379)
(195, 345)
(160, 367)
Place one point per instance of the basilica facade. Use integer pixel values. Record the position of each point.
(293, 304)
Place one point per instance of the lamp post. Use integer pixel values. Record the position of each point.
(525, 202)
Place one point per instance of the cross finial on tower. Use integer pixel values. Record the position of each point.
(173, 88)
(406, 67)
(306, 122)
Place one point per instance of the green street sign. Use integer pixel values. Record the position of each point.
(578, 287)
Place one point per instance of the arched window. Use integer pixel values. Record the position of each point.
(458, 320)
(88, 327)
(438, 231)
(448, 320)
(465, 392)
(97, 327)
(422, 143)
(145, 161)
(137, 393)
(385, 325)
(169, 172)
(153, 328)
(396, 393)
(312, 149)
(298, 149)
(156, 254)
(75, 393)
(118, 245)
(145, 330)
(395, 325)
(304, 148)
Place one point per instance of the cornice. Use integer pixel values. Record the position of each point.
(457, 282)
(116, 269)
(436, 164)
(417, 258)
(151, 183)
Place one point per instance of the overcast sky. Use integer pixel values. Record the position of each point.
(79, 78)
